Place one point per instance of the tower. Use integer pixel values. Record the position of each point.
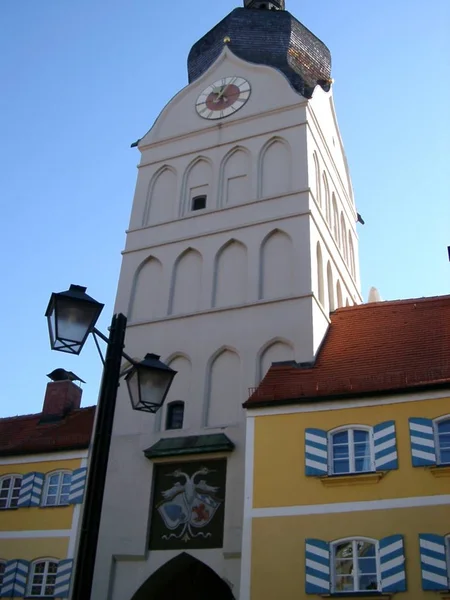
(241, 241)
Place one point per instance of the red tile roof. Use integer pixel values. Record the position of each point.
(27, 435)
(381, 347)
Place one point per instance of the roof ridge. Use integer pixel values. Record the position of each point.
(39, 414)
(383, 303)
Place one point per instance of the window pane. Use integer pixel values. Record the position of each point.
(51, 500)
(54, 479)
(341, 466)
(444, 426)
(365, 549)
(344, 550)
(4, 493)
(340, 451)
(35, 590)
(52, 567)
(67, 478)
(360, 435)
(6, 483)
(14, 502)
(344, 584)
(445, 456)
(363, 464)
(340, 438)
(368, 582)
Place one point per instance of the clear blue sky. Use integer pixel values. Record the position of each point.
(81, 81)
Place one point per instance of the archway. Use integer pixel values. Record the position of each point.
(184, 578)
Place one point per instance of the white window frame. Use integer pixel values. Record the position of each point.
(351, 449)
(58, 502)
(11, 489)
(2, 563)
(356, 573)
(44, 583)
(436, 438)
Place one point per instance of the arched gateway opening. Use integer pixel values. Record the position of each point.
(184, 578)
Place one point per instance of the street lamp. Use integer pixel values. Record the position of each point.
(72, 316)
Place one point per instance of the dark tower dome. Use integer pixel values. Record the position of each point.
(271, 37)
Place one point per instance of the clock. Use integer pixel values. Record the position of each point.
(223, 98)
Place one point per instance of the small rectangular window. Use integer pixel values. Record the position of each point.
(198, 202)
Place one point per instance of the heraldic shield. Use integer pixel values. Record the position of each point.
(189, 505)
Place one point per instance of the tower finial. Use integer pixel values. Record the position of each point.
(265, 4)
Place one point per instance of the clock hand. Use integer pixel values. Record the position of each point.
(223, 90)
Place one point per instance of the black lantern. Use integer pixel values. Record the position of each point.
(148, 383)
(71, 317)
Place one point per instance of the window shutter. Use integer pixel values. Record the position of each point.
(15, 579)
(316, 452)
(31, 490)
(77, 485)
(63, 578)
(392, 564)
(317, 558)
(433, 562)
(385, 446)
(423, 449)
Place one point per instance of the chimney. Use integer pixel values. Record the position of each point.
(61, 396)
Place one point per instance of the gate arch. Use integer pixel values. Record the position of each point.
(184, 578)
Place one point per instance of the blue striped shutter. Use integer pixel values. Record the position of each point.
(423, 450)
(15, 579)
(31, 490)
(317, 558)
(385, 446)
(433, 562)
(63, 578)
(77, 485)
(316, 452)
(392, 564)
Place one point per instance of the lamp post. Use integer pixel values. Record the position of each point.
(72, 316)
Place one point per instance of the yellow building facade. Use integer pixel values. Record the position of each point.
(347, 496)
(41, 494)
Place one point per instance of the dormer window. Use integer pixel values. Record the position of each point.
(198, 203)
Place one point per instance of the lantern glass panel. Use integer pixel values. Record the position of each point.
(74, 320)
(154, 385)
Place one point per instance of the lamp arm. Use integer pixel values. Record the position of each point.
(106, 340)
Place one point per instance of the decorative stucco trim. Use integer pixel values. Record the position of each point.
(354, 479)
(345, 507)
(322, 406)
(47, 533)
(40, 458)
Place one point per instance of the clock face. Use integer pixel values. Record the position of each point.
(223, 98)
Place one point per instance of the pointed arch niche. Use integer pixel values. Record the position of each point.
(317, 191)
(180, 390)
(331, 305)
(235, 177)
(224, 393)
(277, 266)
(275, 351)
(230, 275)
(146, 301)
(275, 168)
(162, 197)
(340, 301)
(198, 182)
(186, 283)
(320, 280)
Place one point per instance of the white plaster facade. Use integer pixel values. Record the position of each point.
(223, 292)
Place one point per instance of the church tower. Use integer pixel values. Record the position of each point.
(242, 239)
